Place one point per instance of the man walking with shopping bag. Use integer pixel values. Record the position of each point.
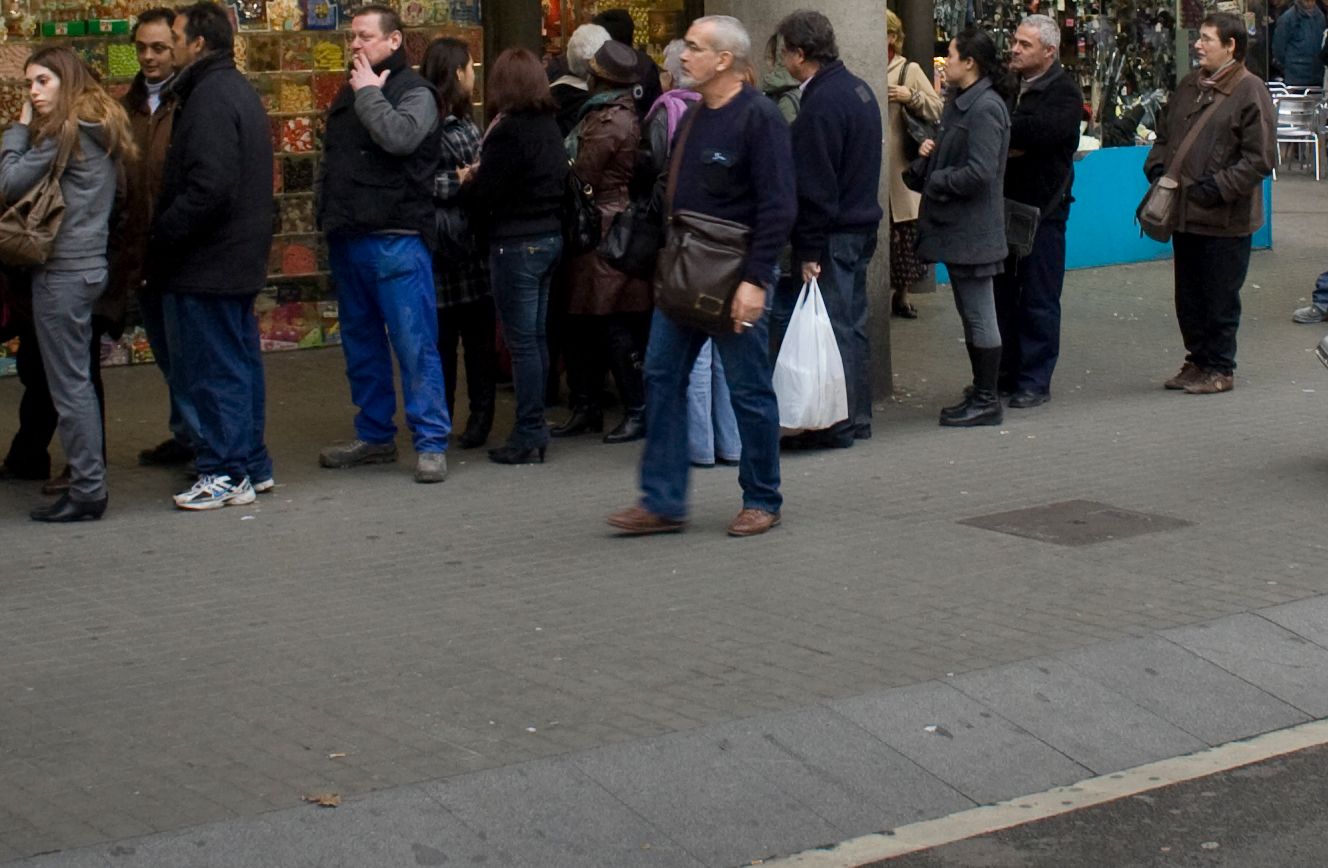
(731, 165)
(837, 139)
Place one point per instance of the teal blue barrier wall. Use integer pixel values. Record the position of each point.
(1108, 185)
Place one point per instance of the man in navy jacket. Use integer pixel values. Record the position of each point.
(837, 151)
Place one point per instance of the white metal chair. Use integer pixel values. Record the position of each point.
(1300, 122)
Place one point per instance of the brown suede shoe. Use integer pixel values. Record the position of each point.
(1188, 373)
(639, 521)
(1210, 383)
(750, 522)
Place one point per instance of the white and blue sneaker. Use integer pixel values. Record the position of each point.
(214, 492)
(265, 485)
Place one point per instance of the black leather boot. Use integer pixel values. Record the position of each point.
(627, 366)
(983, 405)
(477, 430)
(961, 408)
(632, 427)
(585, 419)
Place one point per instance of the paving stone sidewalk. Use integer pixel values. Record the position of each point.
(160, 670)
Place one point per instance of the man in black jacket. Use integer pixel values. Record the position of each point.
(375, 202)
(837, 150)
(1044, 134)
(210, 241)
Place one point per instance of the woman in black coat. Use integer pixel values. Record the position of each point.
(961, 221)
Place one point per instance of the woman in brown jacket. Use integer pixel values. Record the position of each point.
(1221, 181)
(608, 312)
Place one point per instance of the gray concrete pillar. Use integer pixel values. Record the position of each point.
(860, 30)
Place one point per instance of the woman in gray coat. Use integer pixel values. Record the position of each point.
(961, 220)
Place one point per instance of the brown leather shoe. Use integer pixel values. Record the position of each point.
(750, 522)
(1210, 383)
(1188, 373)
(639, 521)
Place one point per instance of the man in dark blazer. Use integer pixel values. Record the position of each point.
(1044, 134)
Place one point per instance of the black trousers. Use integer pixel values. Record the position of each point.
(611, 342)
(472, 326)
(1028, 308)
(1209, 273)
(28, 457)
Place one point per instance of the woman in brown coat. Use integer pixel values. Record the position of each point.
(608, 312)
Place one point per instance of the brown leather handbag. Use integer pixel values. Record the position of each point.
(28, 227)
(700, 266)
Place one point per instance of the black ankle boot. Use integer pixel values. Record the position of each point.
(632, 427)
(584, 420)
(983, 408)
(982, 405)
(477, 428)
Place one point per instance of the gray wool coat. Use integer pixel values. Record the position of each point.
(962, 216)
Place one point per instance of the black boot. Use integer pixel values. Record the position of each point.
(962, 407)
(632, 427)
(983, 405)
(585, 419)
(627, 372)
(478, 426)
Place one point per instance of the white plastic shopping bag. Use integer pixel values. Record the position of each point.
(809, 373)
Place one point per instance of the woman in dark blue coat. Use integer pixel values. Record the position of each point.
(961, 221)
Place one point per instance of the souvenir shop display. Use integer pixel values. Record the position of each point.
(295, 53)
(1127, 55)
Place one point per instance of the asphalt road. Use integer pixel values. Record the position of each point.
(1267, 815)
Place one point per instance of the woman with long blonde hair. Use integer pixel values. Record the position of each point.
(69, 116)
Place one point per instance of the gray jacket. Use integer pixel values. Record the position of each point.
(88, 185)
(962, 216)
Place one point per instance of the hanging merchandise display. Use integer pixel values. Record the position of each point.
(295, 54)
(1127, 55)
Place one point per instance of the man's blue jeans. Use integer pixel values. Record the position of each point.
(215, 350)
(712, 428)
(843, 283)
(184, 418)
(386, 303)
(520, 271)
(1320, 296)
(665, 463)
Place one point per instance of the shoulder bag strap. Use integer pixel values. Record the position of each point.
(675, 161)
(62, 158)
(1178, 157)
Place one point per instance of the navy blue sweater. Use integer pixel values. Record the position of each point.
(837, 139)
(737, 165)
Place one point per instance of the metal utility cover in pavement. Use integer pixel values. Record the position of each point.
(1075, 523)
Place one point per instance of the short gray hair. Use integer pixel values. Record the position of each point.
(730, 36)
(582, 45)
(673, 59)
(1049, 32)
